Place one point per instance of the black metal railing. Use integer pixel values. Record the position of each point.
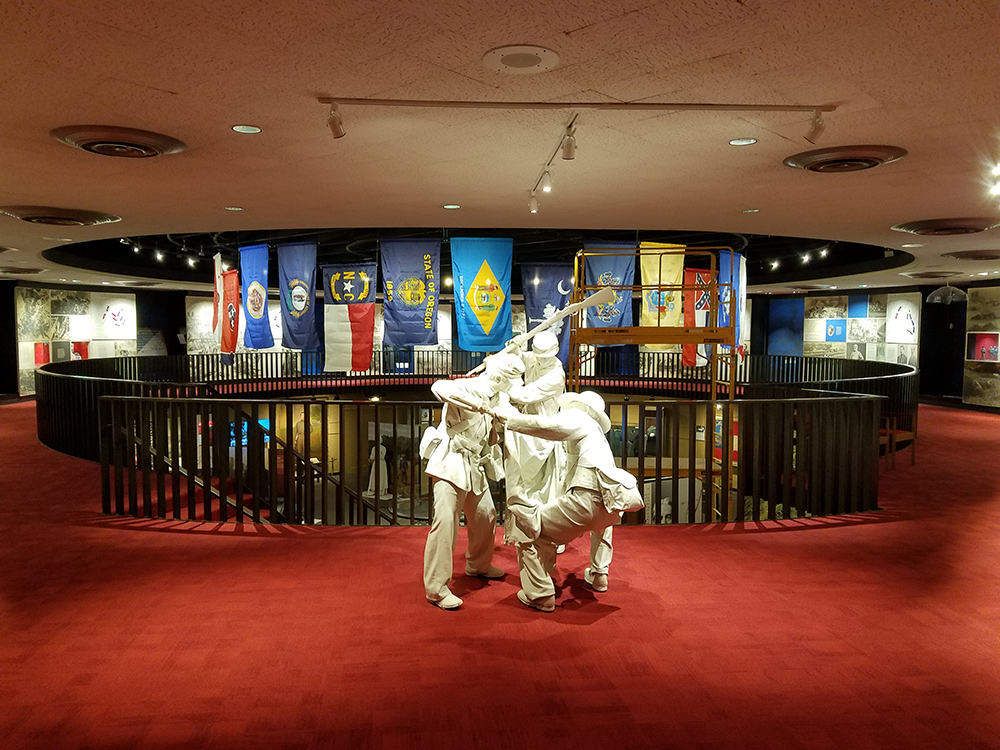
(356, 463)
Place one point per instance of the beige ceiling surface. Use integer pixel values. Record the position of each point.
(922, 75)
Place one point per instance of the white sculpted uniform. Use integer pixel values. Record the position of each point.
(459, 464)
(536, 468)
(596, 493)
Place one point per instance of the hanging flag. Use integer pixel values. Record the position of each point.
(253, 272)
(480, 268)
(411, 270)
(697, 303)
(661, 307)
(218, 314)
(230, 311)
(349, 316)
(733, 281)
(297, 277)
(547, 289)
(615, 270)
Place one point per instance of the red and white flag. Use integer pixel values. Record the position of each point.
(217, 315)
(349, 316)
(230, 326)
(697, 303)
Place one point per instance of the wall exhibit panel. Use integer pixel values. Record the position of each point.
(981, 381)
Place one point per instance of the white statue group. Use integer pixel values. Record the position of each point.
(516, 420)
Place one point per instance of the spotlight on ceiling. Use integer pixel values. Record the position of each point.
(774, 265)
(546, 182)
(191, 261)
(806, 257)
(533, 204)
(159, 255)
(817, 128)
(946, 295)
(335, 123)
(823, 252)
(569, 144)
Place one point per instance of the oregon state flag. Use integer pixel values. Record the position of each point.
(410, 291)
(253, 273)
(349, 316)
(480, 268)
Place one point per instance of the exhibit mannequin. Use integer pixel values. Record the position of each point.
(596, 494)
(462, 454)
(535, 467)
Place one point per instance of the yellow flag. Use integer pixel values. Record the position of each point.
(661, 307)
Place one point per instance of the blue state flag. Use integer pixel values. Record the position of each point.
(480, 269)
(733, 281)
(411, 272)
(615, 270)
(297, 276)
(547, 289)
(253, 275)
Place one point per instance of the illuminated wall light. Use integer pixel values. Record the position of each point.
(447, 281)
(535, 281)
(225, 266)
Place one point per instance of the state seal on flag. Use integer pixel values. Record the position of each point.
(256, 300)
(412, 291)
(298, 298)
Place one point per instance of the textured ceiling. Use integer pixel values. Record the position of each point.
(921, 75)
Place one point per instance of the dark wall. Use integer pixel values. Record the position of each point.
(163, 311)
(8, 339)
(942, 348)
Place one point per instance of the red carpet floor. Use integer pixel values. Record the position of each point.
(873, 631)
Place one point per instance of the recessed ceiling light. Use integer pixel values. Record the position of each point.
(246, 129)
(984, 273)
(59, 239)
(913, 244)
(76, 281)
(833, 287)
(742, 141)
(106, 283)
(863, 286)
(451, 206)
(751, 210)
(234, 208)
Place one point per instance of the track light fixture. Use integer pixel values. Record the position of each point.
(334, 121)
(569, 144)
(818, 126)
(533, 204)
(546, 182)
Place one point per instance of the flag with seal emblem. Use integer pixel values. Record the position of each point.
(230, 311)
(662, 265)
(297, 277)
(733, 282)
(349, 316)
(615, 270)
(411, 270)
(253, 273)
(480, 269)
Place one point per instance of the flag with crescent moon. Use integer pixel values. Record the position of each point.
(349, 316)
(410, 291)
(662, 267)
(480, 269)
(547, 289)
(253, 274)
